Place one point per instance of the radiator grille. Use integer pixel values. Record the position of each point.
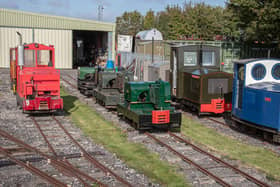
(217, 86)
(160, 116)
(43, 105)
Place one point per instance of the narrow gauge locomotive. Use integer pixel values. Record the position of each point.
(34, 79)
(256, 95)
(197, 81)
(109, 90)
(86, 80)
(148, 105)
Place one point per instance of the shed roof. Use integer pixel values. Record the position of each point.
(149, 35)
(15, 18)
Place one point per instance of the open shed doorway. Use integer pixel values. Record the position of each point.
(89, 48)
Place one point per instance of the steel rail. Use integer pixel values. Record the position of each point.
(74, 86)
(254, 180)
(263, 141)
(34, 170)
(4, 163)
(56, 163)
(55, 154)
(219, 122)
(91, 158)
(70, 76)
(203, 170)
(44, 136)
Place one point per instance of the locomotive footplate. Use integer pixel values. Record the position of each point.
(86, 84)
(86, 87)
(268, 133)
(146, 122)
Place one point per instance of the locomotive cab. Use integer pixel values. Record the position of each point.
(36, 81)
(256, 93)
(196, 79)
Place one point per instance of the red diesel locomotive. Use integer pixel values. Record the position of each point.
(34, 79)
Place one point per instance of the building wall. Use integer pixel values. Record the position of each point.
(47, 29)
(9, 39)
(62, 41)
(16, 18)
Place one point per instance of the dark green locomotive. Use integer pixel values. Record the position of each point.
(148, 105)
(109, 91)
(197, 81)
(86, 80)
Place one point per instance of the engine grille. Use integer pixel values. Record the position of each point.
(43, 105)
(217, 86)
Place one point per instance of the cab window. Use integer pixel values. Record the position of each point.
(29, 58)
(44, 58)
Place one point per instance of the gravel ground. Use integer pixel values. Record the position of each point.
(21, 126)
(192, 175)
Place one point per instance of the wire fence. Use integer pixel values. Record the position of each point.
(139, 63)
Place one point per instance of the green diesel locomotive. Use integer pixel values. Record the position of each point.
(86, 80)
(109, 91)
(148, 106)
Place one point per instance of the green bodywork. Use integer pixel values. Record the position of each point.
(141, 98)
(145, 97)
(84, 72)
(86, 77)
(109, 91)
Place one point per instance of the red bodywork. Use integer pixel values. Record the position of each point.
(217, 106)
(38, 82)
(160, 116)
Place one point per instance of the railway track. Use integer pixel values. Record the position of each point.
(222, 127)
(5, 163)
(68, 82)
(269, 144)
(33, 169)
(84, 153)
(59, 164)
(246, 178)
(31, 149)
(173, 138)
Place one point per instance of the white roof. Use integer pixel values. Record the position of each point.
(149, 35)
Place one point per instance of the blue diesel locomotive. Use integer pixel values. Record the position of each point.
(256, 95)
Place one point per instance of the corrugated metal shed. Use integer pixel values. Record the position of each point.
(47, 29)
(14, 18)
(62, 41)
(8, 39)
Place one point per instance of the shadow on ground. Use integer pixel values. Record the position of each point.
(69, 104)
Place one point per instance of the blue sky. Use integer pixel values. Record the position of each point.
(88, 9)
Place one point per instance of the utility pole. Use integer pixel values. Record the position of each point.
(100, 12)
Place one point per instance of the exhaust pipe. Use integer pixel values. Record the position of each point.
(20, 38)
(20, 51)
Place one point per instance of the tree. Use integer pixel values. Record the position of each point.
(149, 20)
(161, 23)
(175, 23)
(257, 20)
(203, 21)
(129, 23)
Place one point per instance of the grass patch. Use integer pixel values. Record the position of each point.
(112, 138)
(260, 158)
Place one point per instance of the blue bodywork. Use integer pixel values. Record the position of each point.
(258, 103)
